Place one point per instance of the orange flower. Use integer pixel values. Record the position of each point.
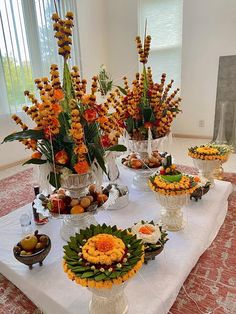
(61, 157)
(146, 230)
(55, 121)
(81, 167)
(90, 115)
(58, 94)
(56, 108)
(197, 179)
(85, 99)
(36, 155)
(102, 119)
(105, 244)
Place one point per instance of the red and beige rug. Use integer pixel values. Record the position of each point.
(209, 289)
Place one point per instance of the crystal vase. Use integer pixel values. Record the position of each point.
(109, 301)
(142, 147)
(171, 212)
(221, 138)
(76, 184)
(71, 224)
(232, 140)
(207, 168)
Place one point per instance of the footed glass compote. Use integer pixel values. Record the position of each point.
(172, 189)
(208, 158)
(207, 168)
(109, 301)
(172, 217)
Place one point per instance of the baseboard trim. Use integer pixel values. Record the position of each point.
(13, 164)
(192, 136)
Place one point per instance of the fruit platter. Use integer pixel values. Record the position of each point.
(32, 249)
(136, 162)
(60, 203)
(142, 167)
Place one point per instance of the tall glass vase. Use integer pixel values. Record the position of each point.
(109, 301)
(232, 140)
(221, 138)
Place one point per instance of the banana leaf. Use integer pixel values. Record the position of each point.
(27, 134)
(35, 161)
(117, 148)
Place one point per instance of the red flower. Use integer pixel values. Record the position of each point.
(148, 125)
(47, 132)
(149, 93)
(90, 115)
(105, 141)
(81, 167)
(61, 157)
(121, 123)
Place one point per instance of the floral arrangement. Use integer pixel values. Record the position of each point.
(104, 81)
(152, 235)
(101, 256)
(146, 105)
(170, 181)
(72, 130)
(210, 152)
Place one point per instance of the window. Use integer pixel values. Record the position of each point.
(164, 24)
(28, 46)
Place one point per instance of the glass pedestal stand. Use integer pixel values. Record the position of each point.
(109, 301)
(71, 224)
(206, 169)
(172, 218)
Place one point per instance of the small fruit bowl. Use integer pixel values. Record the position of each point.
(199, 192)
(32, 249)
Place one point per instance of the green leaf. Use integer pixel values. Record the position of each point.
(130, 125)
(100, 277)
(35, 161)
(123, 91)
(54, 179)
(147, 113)
(67, 88)
(99, 157)
(87, 274)
(117, 148)
(32, 134)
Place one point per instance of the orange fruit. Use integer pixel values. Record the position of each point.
(77, 209)
(102, 198)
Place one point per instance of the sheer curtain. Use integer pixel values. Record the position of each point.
(164, 24)
(28, 46)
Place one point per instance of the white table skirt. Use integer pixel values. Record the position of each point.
(153, 290)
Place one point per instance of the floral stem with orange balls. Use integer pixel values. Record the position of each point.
(70, 127)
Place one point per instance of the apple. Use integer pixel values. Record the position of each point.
(57, 204)
(29, 242)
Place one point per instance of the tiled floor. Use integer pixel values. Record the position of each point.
(178, 149)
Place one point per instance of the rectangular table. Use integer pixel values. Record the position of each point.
(153, 290)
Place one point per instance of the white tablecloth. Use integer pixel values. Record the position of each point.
(153, 290)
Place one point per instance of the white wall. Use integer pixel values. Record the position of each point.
(208, 32)
(122, 28)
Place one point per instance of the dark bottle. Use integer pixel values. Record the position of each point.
(39, 219)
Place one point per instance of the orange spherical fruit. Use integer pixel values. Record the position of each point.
(77, 209)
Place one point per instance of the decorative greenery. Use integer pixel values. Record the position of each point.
(104, 81)
(79, 268)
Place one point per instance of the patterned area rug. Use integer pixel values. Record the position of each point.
(209, 289)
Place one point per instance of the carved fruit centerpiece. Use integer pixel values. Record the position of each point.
(103, 258)
(172, 189)
(153, 237)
